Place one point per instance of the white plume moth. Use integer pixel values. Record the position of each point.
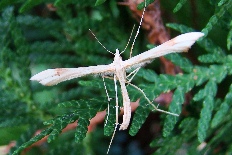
(118, 69)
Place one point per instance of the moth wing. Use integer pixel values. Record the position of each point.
(51, 77)
(181, 43)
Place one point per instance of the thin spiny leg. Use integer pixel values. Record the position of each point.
(108, 98)
(137, 33)
(134, 73)
(100, 42)
(151, 102)
(116, 93)
(116, 107)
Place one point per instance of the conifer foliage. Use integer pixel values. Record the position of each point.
(38, 35)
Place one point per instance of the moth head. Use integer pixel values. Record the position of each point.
(117, 56)
(117, 52)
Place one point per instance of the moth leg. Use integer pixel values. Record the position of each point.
(116, 107)
(133, 73)
(109, 77)
(155, 107)
(108, 98)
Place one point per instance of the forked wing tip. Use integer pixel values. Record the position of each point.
(191, 36)
(198, 34)
(184, 42)
(34, 78)
(45, 77)
(45, 82)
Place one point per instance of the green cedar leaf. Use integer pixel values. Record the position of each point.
(81, 129)
(211, 47)
(140, 116)
(208, 94)
(29, 4)
(224, 108)
(209, 90)
(59, 123)
(228, 64)
(218, 73)
(134, 93)
(149, 90)
(222, 134)
(200, 75)
(185, 82)
(221, 2)
(110, 119)
(179, 27)
(147, 74)
(84, 111)
(99, 2)
(95, 83)
(59, 3)
(53, 135)
(187, 125)
(166, 82)
(98, 83)
(72, 104)
(218, 118)
(214, 19)
(211, 58)
(174, 107)
(114, 8)
(46, 47)
(205, 117)
(214, 72)
(229, 39)
(95, 104)
(32, 140)
(179, 5)
(172, 144)
(44, 24)
(180, 61)
(142, 5)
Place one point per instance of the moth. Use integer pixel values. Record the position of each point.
(118, 68)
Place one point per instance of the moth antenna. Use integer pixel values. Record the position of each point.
(137, 33)
(129, 39)
(100, 43)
